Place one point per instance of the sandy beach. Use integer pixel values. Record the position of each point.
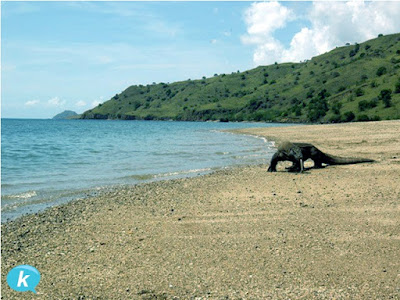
(240, 233)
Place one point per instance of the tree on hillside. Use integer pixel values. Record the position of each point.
(348, 116)
(336, 108)
(318, 106)
(381, 71)
(364, 104)
(355, 50)
(397, 87)
(386, 97)
(323, 94)
(359, 92)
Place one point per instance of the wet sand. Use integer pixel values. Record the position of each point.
(241, 233)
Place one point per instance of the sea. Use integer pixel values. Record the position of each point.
(49, 162)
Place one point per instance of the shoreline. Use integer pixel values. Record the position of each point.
(238, 233)
(103, 191)
(24, 196)
(97, 191)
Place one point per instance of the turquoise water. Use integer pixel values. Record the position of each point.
(47, 162)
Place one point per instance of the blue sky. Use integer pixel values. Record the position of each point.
(74, 55)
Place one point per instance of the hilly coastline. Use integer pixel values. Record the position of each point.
(358, 82)
(66, 114)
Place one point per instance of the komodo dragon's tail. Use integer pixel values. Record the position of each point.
(337, 160)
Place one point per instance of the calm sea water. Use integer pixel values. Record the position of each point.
(47, 162)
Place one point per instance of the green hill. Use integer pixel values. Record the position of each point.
(66, 114)
(358, 82)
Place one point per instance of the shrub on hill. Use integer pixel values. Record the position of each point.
(381, 71)
(365, 118)
(397, 87)
(336, 108)
(386, 97)
(364, 104)
(318, 106)
(359, 92)
(348, 116)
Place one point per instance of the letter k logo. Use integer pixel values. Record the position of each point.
(22, 279)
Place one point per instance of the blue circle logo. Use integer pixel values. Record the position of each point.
(23, 278)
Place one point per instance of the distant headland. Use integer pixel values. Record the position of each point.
(66, 114)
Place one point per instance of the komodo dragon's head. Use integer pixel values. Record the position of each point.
(291, 152)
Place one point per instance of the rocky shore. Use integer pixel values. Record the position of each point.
(240, 233)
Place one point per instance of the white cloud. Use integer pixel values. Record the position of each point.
(95, 103)
(227, 33)
(213, 41)
(104, 59)
(19, 8)
(80, 103)
(148, 66)
(55, 101)
(264, 18)
(32, 102)
(332, 24)
(150, 20)
(163, 28)
(108, 8)
(8, 67)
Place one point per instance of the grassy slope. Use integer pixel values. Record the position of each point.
(273, 93)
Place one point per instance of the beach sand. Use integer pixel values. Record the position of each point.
(331, 233)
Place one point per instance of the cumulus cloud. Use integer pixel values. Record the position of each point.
(56, 102)
(80, 103)
(8, 67)
(95, 103)
(264, 18)
(331, 24)
(32, 102)
(227, 33)
(104, 59)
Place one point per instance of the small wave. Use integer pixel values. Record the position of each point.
(30, 155)
(4, 185)
(55, 148)
(139, 176)
(177, 153)
(25, 195)
(217, 131)
(182, 172)
(162, 175)
(247, 156)
(222, 153)
(94, 151)
(264, 139)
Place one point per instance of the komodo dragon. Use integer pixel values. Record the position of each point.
(298, 153)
